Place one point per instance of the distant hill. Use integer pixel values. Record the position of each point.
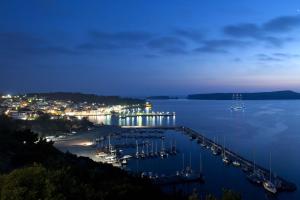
(161, 97)
(277, 95)
(90, 98)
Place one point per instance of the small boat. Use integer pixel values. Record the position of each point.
(101, 154)
(268, 185)
(225, 160)
(127, 157)
(124, 162)
(236, 163)
(255, 178)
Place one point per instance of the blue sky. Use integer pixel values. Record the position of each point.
(139, 47)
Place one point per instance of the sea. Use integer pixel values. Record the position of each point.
(267, 132)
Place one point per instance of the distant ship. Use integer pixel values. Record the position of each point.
(238, 104)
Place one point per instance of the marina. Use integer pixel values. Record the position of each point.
(121, 150)
(223, 159)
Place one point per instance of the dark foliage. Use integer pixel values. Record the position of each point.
(37, 170)
(89, 98)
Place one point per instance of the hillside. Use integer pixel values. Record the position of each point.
(277, 95)
(90, 98)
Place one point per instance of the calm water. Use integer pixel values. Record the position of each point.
(264, 127)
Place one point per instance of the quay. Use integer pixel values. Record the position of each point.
(146, 114)
(124, 115)
(245, 164)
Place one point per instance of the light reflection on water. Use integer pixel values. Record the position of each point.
(264, 127)
(134, 121)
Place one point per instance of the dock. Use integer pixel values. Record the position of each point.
(146, 114)
(282, 184)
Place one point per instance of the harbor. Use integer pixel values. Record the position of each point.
(138, 149)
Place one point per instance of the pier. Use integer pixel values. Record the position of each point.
(245, 164)
(146, 114)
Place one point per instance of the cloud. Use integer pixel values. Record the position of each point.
(265, 57)
(115, 40)
(190, 34)
(19, 44)
(168, 44)
(243, 30)
(276, 57)
(286, 55)
(220, 45)
(282, 24)
(266, 32)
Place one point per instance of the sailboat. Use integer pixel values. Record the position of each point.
(137, 154)
(214, 148)
(203, 143)
(255, 176)
(163, 153)
(174, 148)
(268, 184)
(156, 152)
(201, 176)
(224, 157)
(238, 105)
(152, 150)
(143, 152)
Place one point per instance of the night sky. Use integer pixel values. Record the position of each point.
(149, 47)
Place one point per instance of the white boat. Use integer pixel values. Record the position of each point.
(238, 105)
(236, 163)
(268, 185)
(126, 157)
(224, 157)
(124, 162)
(225, 160)
(101, 154)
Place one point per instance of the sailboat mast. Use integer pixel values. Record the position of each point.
(137, 147)
(270, 166)
(183, 161)
(152, 148)
(109, 148)
(190, 160)
(200, 163)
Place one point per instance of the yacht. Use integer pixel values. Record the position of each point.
(238, 105)
(137, 154)
(225, 160)
(268, 185)
(255, 176)
(236, 163)
(224, 157)
(163, 153)
(127, 157)
(124, 162)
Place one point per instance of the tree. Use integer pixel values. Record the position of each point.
(230, 195)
